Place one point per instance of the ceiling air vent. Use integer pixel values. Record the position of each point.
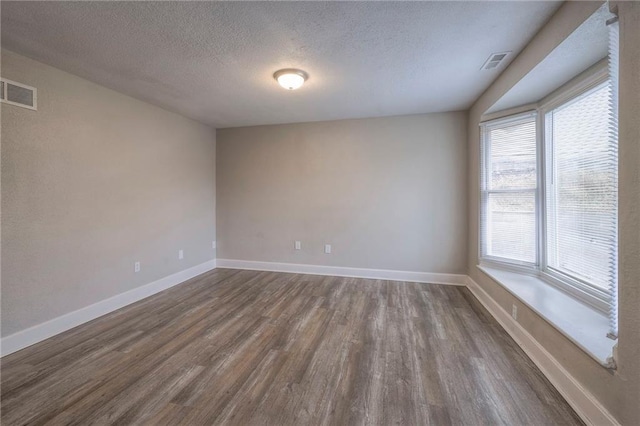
(495, 60)
(18, 94)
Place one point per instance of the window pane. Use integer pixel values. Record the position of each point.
(513, 156)
(511, 226)
(508, 223)
(582, 191)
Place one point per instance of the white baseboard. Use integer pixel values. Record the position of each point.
(339, 271)
(581, 400)
(40, 332)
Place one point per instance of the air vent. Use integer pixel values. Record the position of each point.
(495, 60)
(18, 94)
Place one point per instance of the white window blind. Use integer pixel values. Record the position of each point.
(582, 190)
(614, 53)
(509, 187)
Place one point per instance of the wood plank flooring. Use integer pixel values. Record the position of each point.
(261, 348)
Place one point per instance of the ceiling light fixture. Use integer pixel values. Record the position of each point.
(290, 78)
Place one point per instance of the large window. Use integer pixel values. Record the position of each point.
(509, 188)
(549, 192)
(582, 190)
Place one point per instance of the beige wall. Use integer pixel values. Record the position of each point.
(619, 392)
(92, 182)
(387, 193)
(629, 222)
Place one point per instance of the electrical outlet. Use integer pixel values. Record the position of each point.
(514, 312)
(213, 245)
(136, 267)
(327, 248)
(180, 254)
(298, 245)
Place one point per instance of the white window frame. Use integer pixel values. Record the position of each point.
(573, 285)
(580, 290)
(514, 264)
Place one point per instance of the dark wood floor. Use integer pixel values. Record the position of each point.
(244, 347)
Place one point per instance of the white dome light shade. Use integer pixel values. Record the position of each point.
(290, 78)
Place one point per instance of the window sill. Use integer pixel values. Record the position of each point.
(580, 323)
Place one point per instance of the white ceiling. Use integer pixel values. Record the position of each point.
(586, 46)
(213, 61)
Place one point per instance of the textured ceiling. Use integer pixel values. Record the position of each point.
(587, 45)
(213, 61)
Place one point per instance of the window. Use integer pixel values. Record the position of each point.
(509, 190)
(549, 203)
(556, 218)
(582, 191)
